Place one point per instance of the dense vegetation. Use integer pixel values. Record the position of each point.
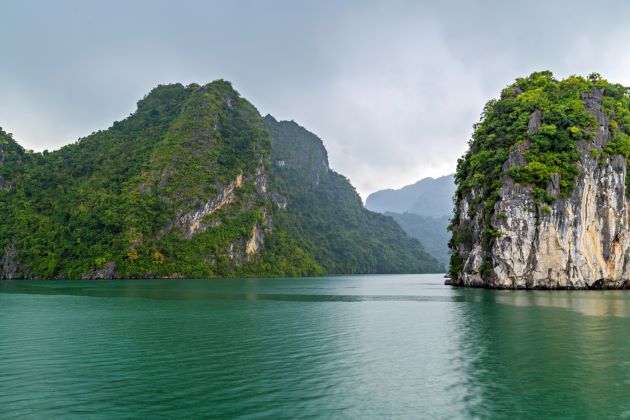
(128, 196)
(547, 121)
(109, 196)
(327, 216)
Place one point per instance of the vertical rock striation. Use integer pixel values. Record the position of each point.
(558, 237)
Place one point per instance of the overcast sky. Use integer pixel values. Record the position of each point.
(393, 87)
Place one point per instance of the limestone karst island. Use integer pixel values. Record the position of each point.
(358, 209)
(542, 192)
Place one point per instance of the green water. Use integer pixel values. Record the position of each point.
(347, 347)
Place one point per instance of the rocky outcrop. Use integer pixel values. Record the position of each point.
(261, 179)
(106, 272)
(196, 221)
(578, 242)
(279, 200)
(255, 242)
(9, 267)
(191, 223)
(246, 249)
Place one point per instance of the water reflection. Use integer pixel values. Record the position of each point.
(376, 347)
(592, 303)
(535, 354)
(339, 348)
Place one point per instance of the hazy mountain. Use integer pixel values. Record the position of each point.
(430, 231)
(422, 209)
(427, 197)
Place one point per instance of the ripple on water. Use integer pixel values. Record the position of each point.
(348, 347)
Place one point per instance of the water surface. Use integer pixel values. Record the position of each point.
(341, 347)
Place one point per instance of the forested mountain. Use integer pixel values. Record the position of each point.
(186, 187)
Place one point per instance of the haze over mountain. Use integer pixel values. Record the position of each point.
(195, 183)
(422, 209)
(427, 197)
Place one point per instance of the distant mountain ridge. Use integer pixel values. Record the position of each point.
(427, 197)
(422, 209)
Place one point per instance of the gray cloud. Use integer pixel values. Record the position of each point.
(393, 88)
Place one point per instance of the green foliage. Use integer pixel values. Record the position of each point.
(326, 216)
(114, 195)
(123, 195)
(456, 265)
(485, 269)
(157, 258)
(488, 235)
(285, 257)
(542, 120)
(620, 145)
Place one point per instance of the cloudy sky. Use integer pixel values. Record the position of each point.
(392, 87)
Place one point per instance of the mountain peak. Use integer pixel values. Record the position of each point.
(190, 185)
(295, 147)
(426, 197)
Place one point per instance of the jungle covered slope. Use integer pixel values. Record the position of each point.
(539, 154)
(325, 213)
(181, 188)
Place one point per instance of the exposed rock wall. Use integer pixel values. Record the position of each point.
(192, 222)
(106, 272)
(9, 267)
(246, 249)
(582, 241)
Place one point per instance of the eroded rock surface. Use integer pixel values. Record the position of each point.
(582, 241)
(106, 272)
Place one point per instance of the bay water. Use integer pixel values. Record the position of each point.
(388, 346)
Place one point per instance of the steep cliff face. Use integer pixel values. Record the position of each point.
(546, 215)
(295, 148)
